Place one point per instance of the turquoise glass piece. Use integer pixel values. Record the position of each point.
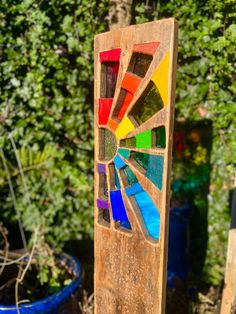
(153, 164)
(117, 181)
(119, 163)
(130, 176)
(155, 170)
(124, 152)
(150, 214)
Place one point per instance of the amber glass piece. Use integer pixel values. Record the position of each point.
(147, 105)
(109, 73)
(128, 142)
(106, 215)
(103, 188)
(139, 63)
(107, 144)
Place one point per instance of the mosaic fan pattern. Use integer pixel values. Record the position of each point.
(132, 141)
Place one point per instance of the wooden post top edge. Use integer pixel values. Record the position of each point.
(134, 26)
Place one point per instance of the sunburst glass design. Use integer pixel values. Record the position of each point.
(131, 153)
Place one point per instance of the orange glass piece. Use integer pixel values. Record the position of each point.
(148, 48)
(127, 100)
(130, 83)
(112, 124)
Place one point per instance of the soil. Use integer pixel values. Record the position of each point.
(30, 289)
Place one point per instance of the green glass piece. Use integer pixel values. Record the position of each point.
(160, 137)
(144, 139)
(128, 142)
(147, 105)
(124, 153)
(107, 144)
(142, 159)
(130, 176)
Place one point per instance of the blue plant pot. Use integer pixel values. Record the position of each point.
(178, 243)
(54, 302)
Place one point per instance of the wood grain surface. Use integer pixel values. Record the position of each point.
(130, 265)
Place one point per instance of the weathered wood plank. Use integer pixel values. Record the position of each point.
(130, 264)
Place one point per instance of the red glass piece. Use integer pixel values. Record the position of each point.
(110, 55)
(104, 109)
(148, 48)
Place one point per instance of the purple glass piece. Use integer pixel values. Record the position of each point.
(101, 168)
(102, 204)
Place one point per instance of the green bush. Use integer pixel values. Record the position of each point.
(46, 81)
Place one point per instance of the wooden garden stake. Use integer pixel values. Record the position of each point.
(134, 110)
(228, 304)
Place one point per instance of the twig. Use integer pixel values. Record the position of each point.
(22, 273)
(8, 262)
(13, 198)
(3, 231)
(20, 169)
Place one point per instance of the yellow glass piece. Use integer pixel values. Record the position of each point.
(161, 76)
(124, 128)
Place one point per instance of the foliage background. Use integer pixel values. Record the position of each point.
(46, 103)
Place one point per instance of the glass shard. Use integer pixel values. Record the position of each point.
(159, 137)
(144, 139)
(109, 73)
(107, 144)
(139, 63)
(128, 142)
(147, 105)
(153, 165)
(118, 207)
(150, 214)
(124, 153)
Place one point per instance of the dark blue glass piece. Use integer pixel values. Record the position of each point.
(125, 224)
(117, 205)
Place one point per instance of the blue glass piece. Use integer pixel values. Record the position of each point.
(155, 170)
(117, 205)
(133, 189)
(119, 163)
(117, 181)
(150, 214)
(125, 224)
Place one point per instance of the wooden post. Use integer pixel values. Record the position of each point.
(228, 304)
(134, 111)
